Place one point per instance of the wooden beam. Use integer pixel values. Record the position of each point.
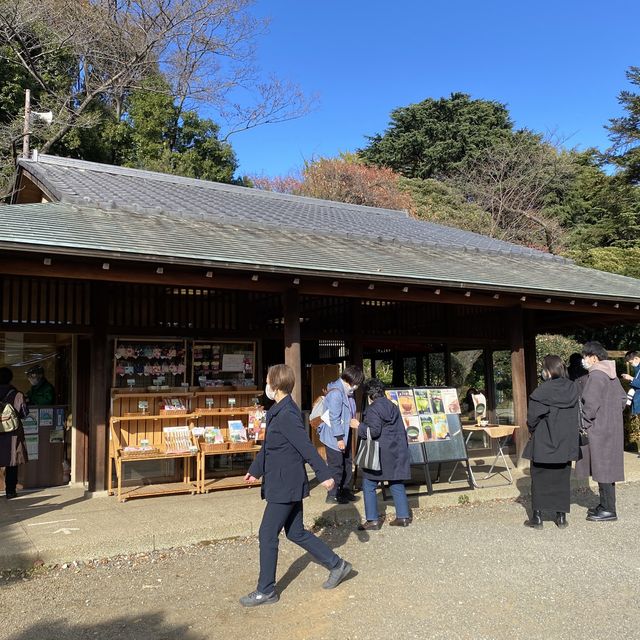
(292, 352)
(518, 379)
(99, 395)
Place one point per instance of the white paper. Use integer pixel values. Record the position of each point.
(32, 447)
(233, 362)
(30, 423)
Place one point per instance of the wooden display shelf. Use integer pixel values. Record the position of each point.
(146, 416)
(123, 393)
(226, 482)
(221, 391)
(227, 452)
(223, 412)
(159, 489)
(159, 455)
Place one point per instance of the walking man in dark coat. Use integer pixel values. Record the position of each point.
(603, 401)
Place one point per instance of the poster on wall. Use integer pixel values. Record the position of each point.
(45, 418)
(30, 423)
(32, 447)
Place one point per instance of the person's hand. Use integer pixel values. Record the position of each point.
(626, 376)
(341, 445)
(329, 484)
(249, 479)
(354, 423)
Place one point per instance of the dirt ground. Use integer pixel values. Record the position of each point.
(468, 572)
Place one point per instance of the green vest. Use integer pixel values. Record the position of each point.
(41, 394)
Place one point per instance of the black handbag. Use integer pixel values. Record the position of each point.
(368, 455)
(582, 432)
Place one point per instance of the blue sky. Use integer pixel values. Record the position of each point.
(559, 66)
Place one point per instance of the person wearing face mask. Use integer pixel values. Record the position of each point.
(633, 395)
(280, 464)
(42, 391)
(554, 423)
(335, 436)
(603, 402)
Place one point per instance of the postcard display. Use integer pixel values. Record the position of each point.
(431, 418)
(157, 416)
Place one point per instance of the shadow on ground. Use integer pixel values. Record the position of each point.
(144, 627)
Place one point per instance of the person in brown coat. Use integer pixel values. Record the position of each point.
(13, 450)
(603, 401)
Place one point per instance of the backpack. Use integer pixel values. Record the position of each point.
(9, 418)
(319, 412)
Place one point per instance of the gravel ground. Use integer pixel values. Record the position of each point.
(469, 572)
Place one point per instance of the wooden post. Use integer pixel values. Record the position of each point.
(489, 382)
(98, 393)
(530, 354)
(518, 379)
(292, 355)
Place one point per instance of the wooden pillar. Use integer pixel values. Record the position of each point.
(292, 354)
(420, 370)
(98, 391)
(397, 378)
(356, 350)
(530, 354)
(489, 382)
(518, 378)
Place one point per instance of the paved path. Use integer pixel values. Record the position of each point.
(467, 572)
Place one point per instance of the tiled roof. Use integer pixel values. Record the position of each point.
(118, 188)
(87, 230)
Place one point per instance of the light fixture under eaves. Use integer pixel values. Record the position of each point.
(296, 281)
(371, 287)
(616, 305)
(496, 296)
(47, 261)
(106, 266)
(572, 302)
(160, 270)
(209, 274)
(548, 300)
(405, 289)
(595, 304)
(437, 292)
(335, 283)
(523, 298)
(255, 277)
(467, 294)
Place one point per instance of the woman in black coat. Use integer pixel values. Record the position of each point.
(553, 421)
(384, 423)
(280, 464)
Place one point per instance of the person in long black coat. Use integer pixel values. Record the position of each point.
(280, 464)
(13, 449)
(554, 422)
(383, 422)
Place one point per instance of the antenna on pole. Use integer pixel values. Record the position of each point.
(27, 118)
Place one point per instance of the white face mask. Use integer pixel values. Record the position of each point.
(269, 392)
(585, 364)
(545, 375)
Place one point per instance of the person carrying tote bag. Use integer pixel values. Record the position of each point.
(382, 423)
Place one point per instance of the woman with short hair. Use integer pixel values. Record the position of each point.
(554, 422)
(383, 422)
(280, 464)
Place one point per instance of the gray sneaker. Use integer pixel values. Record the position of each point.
(255, 598)
(337, 575)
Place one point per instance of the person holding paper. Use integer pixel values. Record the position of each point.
(13, 450)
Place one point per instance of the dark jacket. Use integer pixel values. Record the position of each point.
(280, 462)
(385, 424)
(41, 394)
(603, 401)
(635, 385)
(13, 450)
(553, 422)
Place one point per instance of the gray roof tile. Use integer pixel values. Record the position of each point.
(133, 190)
(69, 229)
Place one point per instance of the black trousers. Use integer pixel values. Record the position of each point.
(288, 516)
(340, 465)
(10, 479)
(551, 487)
(608, 495)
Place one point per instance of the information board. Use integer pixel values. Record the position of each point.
(431, 418)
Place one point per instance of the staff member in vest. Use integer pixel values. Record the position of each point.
(633, 395)
(554, 423)
(335, 436)
(13, 450)
(280, 464)
(42, 392)
(603, 401)
(384, 423)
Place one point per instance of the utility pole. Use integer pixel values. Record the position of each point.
(27, 119)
